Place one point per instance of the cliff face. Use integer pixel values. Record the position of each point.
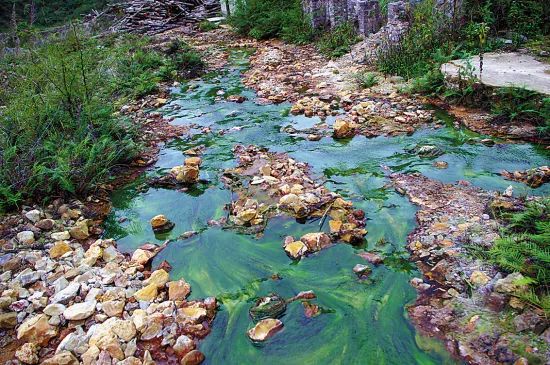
(329, 13)
(366, 14)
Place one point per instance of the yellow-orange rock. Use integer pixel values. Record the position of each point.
(59, 249)
(159, 221)
(147, 293)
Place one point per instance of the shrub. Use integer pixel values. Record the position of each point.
(338, 41)
(431, 83)
(365, 80)
(518, 104)
(58, 130)
(525, 17)
(421, 47)
(206, 26)
(263, 19)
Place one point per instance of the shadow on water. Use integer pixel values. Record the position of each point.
(363, 321)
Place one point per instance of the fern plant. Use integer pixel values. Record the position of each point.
(525, 248)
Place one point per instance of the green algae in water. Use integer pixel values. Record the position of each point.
(362, 321)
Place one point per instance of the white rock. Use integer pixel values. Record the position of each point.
(61, 236)
(509, 191)
(183, 345)
(93, 294)
(33, 215)
(66, 294)
(25, 237)
(80, 311)
(54, 309)
(60, 284)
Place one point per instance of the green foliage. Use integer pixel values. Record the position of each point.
(365, 80)
(48, 12)
(263, 19)
(518, 104)
(523, 17)
(59, 133)
(525, 248)
(206, 26)
(431, 83)
(426, 44)
(338, 41)
(384, 7)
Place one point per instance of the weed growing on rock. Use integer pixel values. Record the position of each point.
(365, 80)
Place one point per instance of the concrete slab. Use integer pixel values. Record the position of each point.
(507, 69)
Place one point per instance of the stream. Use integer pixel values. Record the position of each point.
(361, 321)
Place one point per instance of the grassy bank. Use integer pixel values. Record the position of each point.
(59, 134)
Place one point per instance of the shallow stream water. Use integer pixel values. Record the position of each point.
(362, 321)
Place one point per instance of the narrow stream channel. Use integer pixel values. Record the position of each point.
(362, 322)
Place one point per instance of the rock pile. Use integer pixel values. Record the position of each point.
(152, 17)
(535, 177)
(311, 106)
(80, 300)
(181, 176)
(282, 72)
(390, 116)
(461, 300)
(268, 309)
(269, 184)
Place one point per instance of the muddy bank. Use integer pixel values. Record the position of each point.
(466, 302)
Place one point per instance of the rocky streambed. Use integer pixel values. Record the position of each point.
(273, 224)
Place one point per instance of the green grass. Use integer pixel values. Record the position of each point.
(59, 133)
(206, 26)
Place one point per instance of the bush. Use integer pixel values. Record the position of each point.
(338, 41)
(58, 130)
(425, 45)
(431, 83)
(206, 26)
(263, 19)
(365, 80)
(523, 17)
(525, 248)
(518, 104)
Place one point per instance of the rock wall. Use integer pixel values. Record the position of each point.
(366, 14)
(330, 13)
